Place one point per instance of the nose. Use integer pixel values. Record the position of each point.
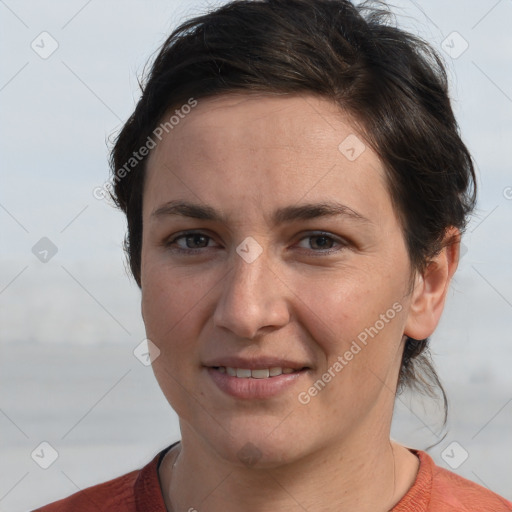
(253, 299)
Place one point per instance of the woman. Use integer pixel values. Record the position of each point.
(295, 189)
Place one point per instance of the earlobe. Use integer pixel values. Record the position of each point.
(430, 289)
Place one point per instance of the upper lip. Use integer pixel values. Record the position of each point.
(255, 363)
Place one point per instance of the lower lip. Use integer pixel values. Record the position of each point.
(254, 388)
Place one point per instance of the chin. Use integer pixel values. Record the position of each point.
(257, 447)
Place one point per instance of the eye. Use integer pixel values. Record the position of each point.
(192, 242)
(324, 243)
(189, 242)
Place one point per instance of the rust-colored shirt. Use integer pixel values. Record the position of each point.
(434, 490)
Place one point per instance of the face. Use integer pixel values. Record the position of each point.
(288, 254)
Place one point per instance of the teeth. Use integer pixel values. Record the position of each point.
(260, 373)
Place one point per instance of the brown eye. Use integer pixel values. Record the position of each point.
(194, 240)
(323, 243)
(189, 242)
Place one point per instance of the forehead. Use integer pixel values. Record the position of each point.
(265, 149)
(252, 121)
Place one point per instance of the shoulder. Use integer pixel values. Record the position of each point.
(137, 490)
(453, 492)
(115, 495)
(440, 490)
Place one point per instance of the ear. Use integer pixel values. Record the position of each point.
(430, 288)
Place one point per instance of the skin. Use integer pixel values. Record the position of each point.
(247, 155)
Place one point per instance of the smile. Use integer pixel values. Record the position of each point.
(259, 373)
(256, 383)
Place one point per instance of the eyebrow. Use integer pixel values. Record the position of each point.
(283, 215)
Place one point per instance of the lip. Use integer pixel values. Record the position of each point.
(255, 363)
(254, 389)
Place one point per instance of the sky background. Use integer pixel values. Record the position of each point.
(57, 114)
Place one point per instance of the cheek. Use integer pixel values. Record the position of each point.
(171, 308)
(356, 318)
(340, 307)
(170, 304)
(167, 290)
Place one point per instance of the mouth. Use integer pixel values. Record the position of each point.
(257, 373)
(260, 382)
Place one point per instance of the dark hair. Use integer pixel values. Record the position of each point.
(390, 82)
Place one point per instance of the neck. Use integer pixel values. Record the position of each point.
(372, 476)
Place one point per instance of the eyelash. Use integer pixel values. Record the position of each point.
(168, 244)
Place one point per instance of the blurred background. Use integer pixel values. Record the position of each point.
(70, 323)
